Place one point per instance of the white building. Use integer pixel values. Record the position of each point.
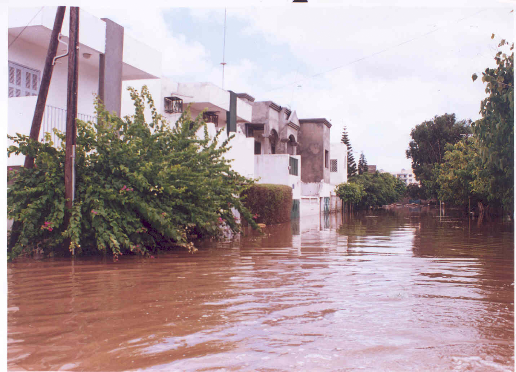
(406, 176)
(265, 146)
(107, 57)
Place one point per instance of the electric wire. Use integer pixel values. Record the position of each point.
(16, 38)
(374, 54)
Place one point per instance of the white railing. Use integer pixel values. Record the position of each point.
(55, 117)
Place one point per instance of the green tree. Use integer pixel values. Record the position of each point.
(495, 130)
(458, 174)
(362, 164)
(352, 166)
(378, 189)
(350, 193)
(413, 191)
(428, 144)
(140, 187)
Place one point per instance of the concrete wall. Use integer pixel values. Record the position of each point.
(260, 112)
(92, 30)
(240, 153)
(339, 151)
(314, 140)
(141, 57)
(154, 87)
(20, 114)
(274, 169)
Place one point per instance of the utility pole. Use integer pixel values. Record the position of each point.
(40, 104)
(71, 113)
(45, 82)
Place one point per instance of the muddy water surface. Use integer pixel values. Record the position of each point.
(395, 291)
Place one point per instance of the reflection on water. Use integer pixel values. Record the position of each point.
(399, 290)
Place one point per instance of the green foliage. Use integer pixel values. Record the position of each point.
(350, 192)
(140, 186)
(456, 176)
(428, 144)
(362, 164)
(495, 131)
(480, 170)
(414, 191)
(269, 204)
(378, 189)
(352, 166)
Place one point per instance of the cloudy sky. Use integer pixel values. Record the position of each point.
(378, 69)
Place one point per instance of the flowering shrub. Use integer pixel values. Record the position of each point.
(140, 187)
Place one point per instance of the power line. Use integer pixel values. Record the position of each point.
(374, 54)
(16, 38)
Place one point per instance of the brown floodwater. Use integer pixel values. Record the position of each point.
(393, 291)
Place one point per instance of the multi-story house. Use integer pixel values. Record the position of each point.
(107, 57)
(406, 176)
(270, 143)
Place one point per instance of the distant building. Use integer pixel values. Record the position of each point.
(371, 169)
(406, 176)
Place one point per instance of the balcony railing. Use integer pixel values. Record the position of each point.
(55, 117)
(211, 117)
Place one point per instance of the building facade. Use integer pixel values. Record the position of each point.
(107, 58)
(407, 176)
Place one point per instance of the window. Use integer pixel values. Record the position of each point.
(333, 165)
(293, 166)
(173, 105)
(257, 148)
(211, 117)
(326, 159)
(23, 81)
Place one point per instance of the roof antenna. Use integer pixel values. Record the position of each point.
(224, 50)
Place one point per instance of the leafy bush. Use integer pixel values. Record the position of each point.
(378, 189)
(270, 204)
(350, 192)
(139, 187)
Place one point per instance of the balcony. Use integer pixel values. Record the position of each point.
(21, 113)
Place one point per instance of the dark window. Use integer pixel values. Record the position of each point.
(249, 131)
(173, 105)
(326, 159)
(257, 148)
(211, 117)
(293, 167)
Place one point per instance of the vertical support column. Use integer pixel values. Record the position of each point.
(231, 115)
(110, 67)
(102, 69)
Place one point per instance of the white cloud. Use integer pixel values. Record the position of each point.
(179, 55)
(417, 63)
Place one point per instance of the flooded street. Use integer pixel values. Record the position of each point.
(391, 291)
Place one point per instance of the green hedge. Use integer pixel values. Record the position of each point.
(269, 204)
